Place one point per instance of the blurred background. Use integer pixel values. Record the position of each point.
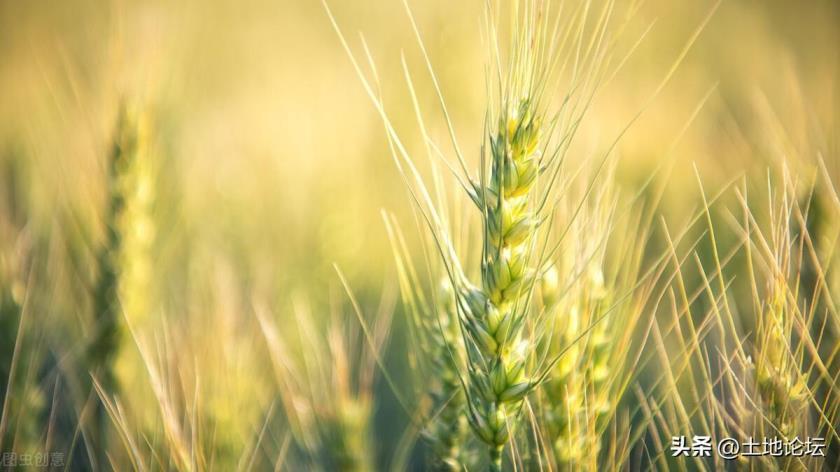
(266, 165)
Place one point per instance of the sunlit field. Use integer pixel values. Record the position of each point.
(420, 235)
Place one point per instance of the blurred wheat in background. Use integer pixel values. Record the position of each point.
(424, 235)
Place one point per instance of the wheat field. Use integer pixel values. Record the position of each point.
(420, 235)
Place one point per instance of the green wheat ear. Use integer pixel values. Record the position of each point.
(106, 301)
(437, 353)
(494, 316)
(15, 260)
(577, 398)
(780, 382)
(129, 143)
(447, 431)
(781, 387)
(522, 150)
